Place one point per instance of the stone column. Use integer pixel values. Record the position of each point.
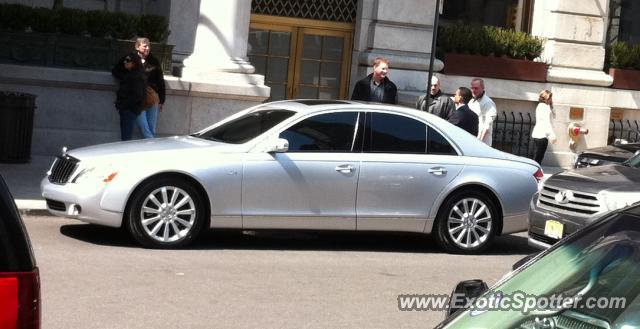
(400, 30)
(220, 43)
(575, 33)
(182, 24)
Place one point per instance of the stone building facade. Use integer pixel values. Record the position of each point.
(236, 53)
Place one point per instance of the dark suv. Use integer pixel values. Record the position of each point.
(610, 154)
(19, 277)
(570, 200)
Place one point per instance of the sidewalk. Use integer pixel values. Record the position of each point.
(24, 182)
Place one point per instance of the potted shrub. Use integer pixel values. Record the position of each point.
(487, 51)
(624, 65)
(66, 37)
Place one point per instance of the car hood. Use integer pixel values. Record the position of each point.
(595, 179)
(149, 147)
(623, 151)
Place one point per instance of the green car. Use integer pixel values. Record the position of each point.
(587, 280)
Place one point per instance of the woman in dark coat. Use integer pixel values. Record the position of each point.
(152, 68)
(130, 94)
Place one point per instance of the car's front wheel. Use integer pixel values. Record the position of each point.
(166, 213)
(466, 223)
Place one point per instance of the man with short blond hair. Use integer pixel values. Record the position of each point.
(376, 87)
(485, 108)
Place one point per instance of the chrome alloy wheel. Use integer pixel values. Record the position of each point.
(168, 214)
(469, 223)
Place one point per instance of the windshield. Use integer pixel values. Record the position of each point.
(597, 274)
(246, 127)
(634, 161)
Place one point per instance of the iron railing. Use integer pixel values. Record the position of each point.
(512, 133)
(617, 130)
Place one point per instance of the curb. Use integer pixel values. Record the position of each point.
(35, 212)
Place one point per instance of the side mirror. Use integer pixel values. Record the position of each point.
(464, 291)
(279, 145)
(522, 261)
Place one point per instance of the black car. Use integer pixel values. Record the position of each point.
(587, 280)
(19, 276)
(598, 156)
(569, 200)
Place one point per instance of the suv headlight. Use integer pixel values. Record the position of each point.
(586, 161)
(96, 175)
(615, 201)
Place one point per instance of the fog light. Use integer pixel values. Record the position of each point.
(74, 210)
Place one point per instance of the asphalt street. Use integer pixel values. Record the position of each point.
(97, 277)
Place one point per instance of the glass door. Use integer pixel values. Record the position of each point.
(321, 72)
(301, 58)
(270, 52)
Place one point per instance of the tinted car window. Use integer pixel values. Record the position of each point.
(390, 133)
(331, 132)
(246, 128)
(438, 144)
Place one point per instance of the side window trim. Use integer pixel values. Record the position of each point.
(368, 131)
(356, 129)
(446, 138)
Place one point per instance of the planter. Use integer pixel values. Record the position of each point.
(494, 67)
(57, 50)
(625, 79)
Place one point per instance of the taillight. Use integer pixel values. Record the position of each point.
(20, 300)
(538, 175)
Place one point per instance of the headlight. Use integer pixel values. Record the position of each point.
(615, 201)
(587, 162)
(96, 175)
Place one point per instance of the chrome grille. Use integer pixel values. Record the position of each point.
(62, 169)
(574, 203)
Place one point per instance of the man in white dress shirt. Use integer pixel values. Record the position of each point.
(485, 108)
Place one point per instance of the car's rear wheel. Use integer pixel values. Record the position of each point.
(466, 223)
(166, 213)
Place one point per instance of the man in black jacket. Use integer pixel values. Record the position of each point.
(376, 87)
(463, 116)
(439, 104)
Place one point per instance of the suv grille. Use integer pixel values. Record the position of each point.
(571, 203)
(62, 169)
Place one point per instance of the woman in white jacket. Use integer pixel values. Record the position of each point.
(543, 131)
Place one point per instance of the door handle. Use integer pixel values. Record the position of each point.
(345, 169)
(438, 171)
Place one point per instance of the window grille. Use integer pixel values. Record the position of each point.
(324, 10)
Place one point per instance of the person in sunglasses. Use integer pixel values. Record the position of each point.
(130, 94)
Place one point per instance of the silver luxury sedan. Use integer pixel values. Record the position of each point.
(305, 165)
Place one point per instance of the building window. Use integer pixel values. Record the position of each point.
(623, 21)
(513, 14)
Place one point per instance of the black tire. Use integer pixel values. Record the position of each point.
(180, 210)
(468, 231)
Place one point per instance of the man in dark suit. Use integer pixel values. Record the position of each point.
(463, 116)
(376, 87)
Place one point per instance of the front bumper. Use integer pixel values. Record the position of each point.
(538, 218)
(78, 201)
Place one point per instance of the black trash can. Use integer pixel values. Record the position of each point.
(16, 126)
